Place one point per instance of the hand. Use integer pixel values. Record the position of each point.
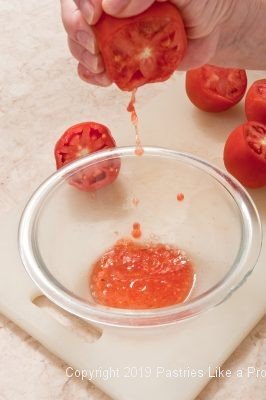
(77, 17)
(227, 33)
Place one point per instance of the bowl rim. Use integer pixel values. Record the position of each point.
(243, 265)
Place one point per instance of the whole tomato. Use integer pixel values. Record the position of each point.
(245, 154)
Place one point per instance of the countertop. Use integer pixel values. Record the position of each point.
(40, 97)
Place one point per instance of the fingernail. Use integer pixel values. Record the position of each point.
(102, 80)
(99, 80)
(115, 7)
(87, 40)
(87, 9)
(93, 63)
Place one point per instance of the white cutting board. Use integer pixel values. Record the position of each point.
(203, 342)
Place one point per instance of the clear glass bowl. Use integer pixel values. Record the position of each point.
(64, 230)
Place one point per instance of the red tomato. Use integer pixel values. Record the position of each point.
(255, 103)
(83, 139)
(245, 154)
(215, 89)
(142, 49)
(137, 276)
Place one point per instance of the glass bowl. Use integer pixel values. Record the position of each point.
(64, 230)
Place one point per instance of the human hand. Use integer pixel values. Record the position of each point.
(221, 32)
(78, 16)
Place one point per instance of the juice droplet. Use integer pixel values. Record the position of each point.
(139, 151)
(136, 230)
(180, 197)
(134, 119)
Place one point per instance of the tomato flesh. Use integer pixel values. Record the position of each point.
(83, 139)
(245, 154)
(215, 89)
(138, 276)
(142, 49)
(256, 139)
(255, 103)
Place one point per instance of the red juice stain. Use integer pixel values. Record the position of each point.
(135, 275)
(180, 197)
(134, 119)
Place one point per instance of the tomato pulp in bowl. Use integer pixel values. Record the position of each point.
(64, 231)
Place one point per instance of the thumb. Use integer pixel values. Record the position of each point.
(125, 8)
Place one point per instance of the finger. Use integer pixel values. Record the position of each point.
(90, 61)
(99, 79)
(125, 8)
(199, 52)
(91, 10)
(76, 27)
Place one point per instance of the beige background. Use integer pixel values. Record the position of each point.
(41, 96)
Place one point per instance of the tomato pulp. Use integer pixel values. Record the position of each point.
(83, 139)
(144, 48)
(138, 276)
(245, 154)
(215, 89)
(255, 102)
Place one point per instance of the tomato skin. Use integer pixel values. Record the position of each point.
(215, 89)
(123, 41)
(255, 102)
(242, 161)
(80, 140)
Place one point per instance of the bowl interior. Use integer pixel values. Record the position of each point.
(74, 228)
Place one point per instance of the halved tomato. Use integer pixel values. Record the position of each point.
(245, 154)
(255, 102)
(215, 89)
(83, 139)
(142, 49)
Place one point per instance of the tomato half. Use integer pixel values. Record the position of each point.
(138, 276)
(142, 49)
(255, 103)
(245, 154)
(83, 139)
(215, 89)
